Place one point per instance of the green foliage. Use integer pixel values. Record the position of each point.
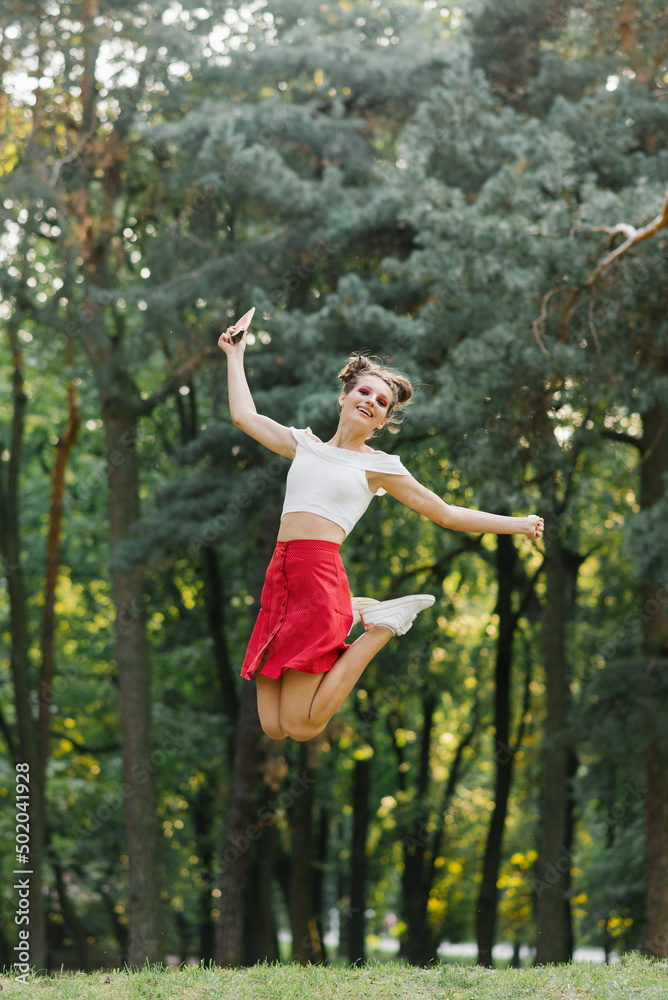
(372, 178)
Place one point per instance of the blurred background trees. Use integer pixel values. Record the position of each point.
(463, 192)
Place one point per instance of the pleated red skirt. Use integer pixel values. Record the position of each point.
(305, 611)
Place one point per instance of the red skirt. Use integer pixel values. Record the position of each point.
(305, 611)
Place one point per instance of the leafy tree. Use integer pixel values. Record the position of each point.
(370, 179)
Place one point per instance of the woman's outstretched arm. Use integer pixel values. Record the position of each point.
(268, 432)
(413, 494)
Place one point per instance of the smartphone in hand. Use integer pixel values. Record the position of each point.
(242, 325)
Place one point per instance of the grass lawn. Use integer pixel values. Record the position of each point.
(633, 977)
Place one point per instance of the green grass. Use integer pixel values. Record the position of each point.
(634, 977)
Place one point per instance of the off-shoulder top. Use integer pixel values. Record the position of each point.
(331, 481)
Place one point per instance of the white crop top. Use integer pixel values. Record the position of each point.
(331, 481)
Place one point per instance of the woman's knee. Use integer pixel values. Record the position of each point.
(301, 732)
(273, 730)
(295, 724)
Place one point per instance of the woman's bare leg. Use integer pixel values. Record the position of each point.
(269, 705)
(308, 701)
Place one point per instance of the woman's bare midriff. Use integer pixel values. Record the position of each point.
(304, 525)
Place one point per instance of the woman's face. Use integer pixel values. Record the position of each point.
(367, 404)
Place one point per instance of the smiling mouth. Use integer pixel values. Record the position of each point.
(366, 413)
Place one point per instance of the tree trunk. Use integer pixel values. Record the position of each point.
(240, 829)
(242, 809)
(260, 943)
(132, 653)
(656, 848)
(27, 760)
(215, 611)
(552, 883)
(321, 854)
(504, 756)
(654, 467)
(94, 221)
(64, 446)
(305, 939)
(202, 808)
(417, 947)
(210, 571)
(73, 923)
(269, 868)
(358, 862)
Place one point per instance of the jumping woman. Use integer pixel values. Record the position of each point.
(304, 668)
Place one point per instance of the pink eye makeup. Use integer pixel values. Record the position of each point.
(381, 400)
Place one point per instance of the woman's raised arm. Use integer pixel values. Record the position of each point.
(413, 494)
(268, 432)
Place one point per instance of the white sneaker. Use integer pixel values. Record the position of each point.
(359, 603)
(397, 615)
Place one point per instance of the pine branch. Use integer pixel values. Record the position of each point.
(637, 442)
(75, 153)
(633, 238)
(540, 322)
(84, 747)
(439, 566)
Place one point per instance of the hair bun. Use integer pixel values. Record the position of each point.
(357, 364)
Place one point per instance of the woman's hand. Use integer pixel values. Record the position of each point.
(226, 340)
(231, 348)
(535, 527)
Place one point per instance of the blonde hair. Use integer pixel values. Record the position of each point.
(359, 366)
